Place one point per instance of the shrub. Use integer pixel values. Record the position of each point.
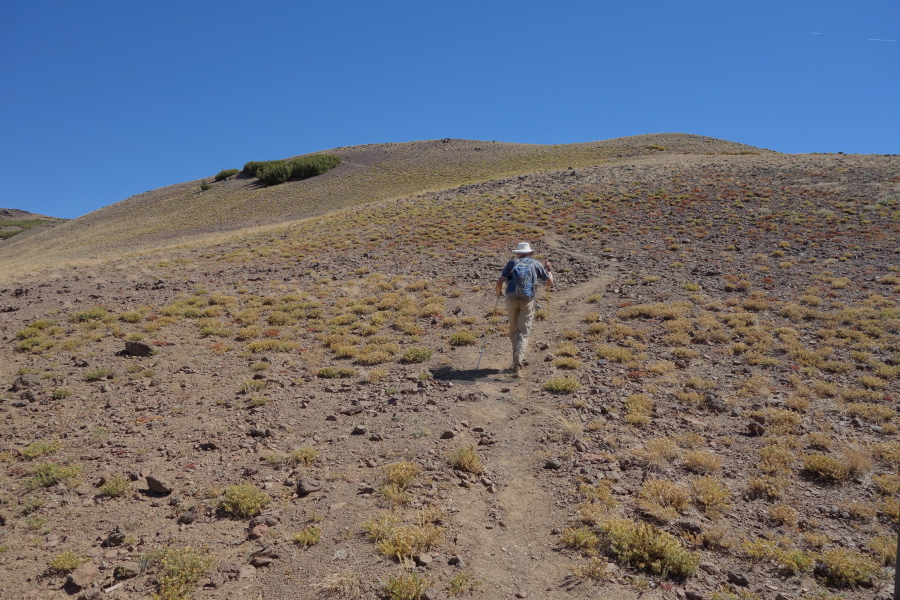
(47, 474)
(580, 538)
(701, 461)
(94, 314)
(405, 540)
(38, 449)
(273, 172)
(97, 374)
(639, 408)
(843, 567)
(885, 548)
(566, 362)
(308, 536)
(336, 372)
(401, 473)
(826, 467)
(463, 582)
(416, 355)
(67, 562)
(225, 174)
(466, 459)
(889, 452)
(462, 338)
(783, 514)
(179, 570)
(710, 495)
(562, 385)
(346, 584)
(663, 500)
(405, 586)
(648, 548)
(243, 500)
(116, 486)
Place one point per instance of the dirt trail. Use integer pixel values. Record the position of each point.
(495, 527)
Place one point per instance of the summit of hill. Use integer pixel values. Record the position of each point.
(185, 212)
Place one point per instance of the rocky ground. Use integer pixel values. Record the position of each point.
(307, 412)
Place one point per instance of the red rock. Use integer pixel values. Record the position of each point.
(258, 531)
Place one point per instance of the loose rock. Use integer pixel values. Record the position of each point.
(159, 485)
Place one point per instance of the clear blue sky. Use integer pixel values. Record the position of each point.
(105, 99)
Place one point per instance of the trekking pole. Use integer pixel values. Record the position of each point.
(550, 269)
(490, 324)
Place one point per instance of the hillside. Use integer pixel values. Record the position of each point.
(183, 213)
(709, 409)
(21, 224)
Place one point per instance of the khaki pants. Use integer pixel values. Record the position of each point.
(521, 320)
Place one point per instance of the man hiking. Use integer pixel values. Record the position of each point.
(522, 273)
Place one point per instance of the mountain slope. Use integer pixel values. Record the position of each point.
(181, 212)
(710, 408)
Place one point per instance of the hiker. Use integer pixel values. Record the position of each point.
(522, 273)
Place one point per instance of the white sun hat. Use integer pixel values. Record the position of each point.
(523, 248)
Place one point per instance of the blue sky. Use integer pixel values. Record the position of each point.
(105, 99)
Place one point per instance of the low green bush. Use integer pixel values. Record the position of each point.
(225, 174)
(243, 501)
(273, 172)
(416, 355)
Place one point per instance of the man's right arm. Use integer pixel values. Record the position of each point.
(503, 277)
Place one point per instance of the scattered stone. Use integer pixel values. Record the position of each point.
(590, 457)
(116, 538)
(307, 486)
(206, 446)
(127, 570)
(553, 464)
(756, 429)
(189, 516)
(267, 520)
(258, 531)
(710, 568)
(138, 349)
(359, 430)
(456, 561)
(92, 594)
(229, 570)
(260, 432)
(264, 556)
(689, 525)
(690, 594)
(24, 381)
(423, 560)
(247, 572)
(159, 485)
(85, 575)
(886, 593)
(715, 404)
(737, 578)
(448, 435)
